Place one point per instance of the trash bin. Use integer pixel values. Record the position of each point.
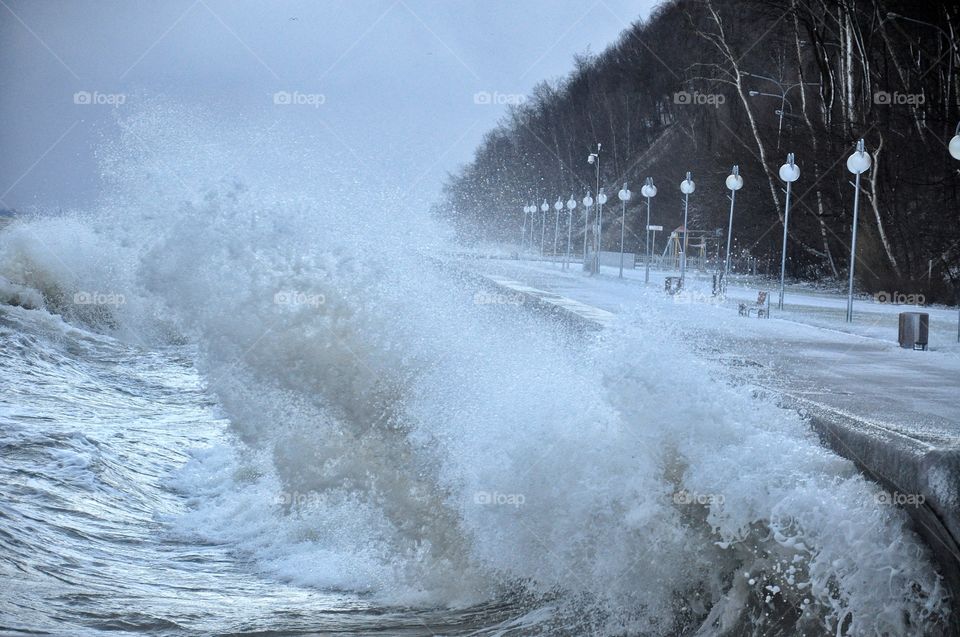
(914, 330)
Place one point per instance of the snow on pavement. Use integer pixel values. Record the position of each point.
(806, 351)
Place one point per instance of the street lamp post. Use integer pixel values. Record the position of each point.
(954, 146)
(594, 160)
(532, 210)
(624, 196)
(571, 205)
(686, 187)
(544, 208)
(778, 112)
(783, 96)
(649, 191)
(530, 231)
(523, 231)
(601, 199)
(530, 236)
(954, 149)
(556, 232)
(543, 229)
(558, 206)
(789, 173)
(858, 163)
(734, 183)
(587, 202)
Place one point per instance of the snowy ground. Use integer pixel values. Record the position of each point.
(806, 351)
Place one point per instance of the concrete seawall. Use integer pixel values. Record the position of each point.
(581, 314)
(901, 463)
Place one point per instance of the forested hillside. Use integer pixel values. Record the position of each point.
(699, 87)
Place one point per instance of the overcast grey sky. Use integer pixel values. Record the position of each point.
(405, 87)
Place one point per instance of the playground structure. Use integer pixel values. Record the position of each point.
(702, 246)
(705, 247)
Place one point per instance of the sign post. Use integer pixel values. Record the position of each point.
(653, 249)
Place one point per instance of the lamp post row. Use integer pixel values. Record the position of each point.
(858, 163)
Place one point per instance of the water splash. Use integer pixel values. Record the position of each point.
(394, 437)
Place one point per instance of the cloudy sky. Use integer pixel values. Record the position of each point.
(403, 88)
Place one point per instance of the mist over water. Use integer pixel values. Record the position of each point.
(389, 437)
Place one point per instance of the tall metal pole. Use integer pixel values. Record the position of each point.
(529, 242)
(726, 263)
(649, 191)
(596, 257)
(586, 223)
(683, 255)
(624, 195)
(783, 254)
(594, 158)
(853, 249)
(857, 163)
(734, 183)
(623, 220)
(789, 173)
(571, 205)
(556, 233)
(543, 229)
(600, 200)
(686, 208)
(530, 235)
(954, 149)
(646, 271)
(523, 231)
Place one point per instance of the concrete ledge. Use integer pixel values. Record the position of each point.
(907, 466)
(585, 315)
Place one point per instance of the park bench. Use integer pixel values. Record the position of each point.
(761, 306)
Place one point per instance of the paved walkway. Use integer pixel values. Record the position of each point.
(803, 352)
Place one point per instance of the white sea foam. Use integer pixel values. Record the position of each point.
(400, 439)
